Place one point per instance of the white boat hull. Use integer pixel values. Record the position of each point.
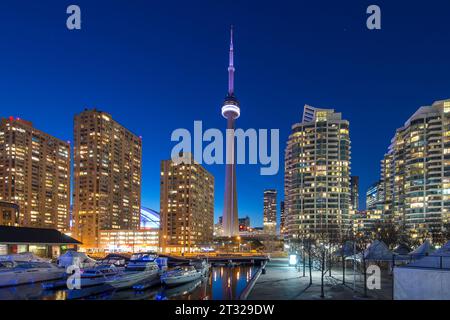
(15, 278)
(128, 280)
(177, 280)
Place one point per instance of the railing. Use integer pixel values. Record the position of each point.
(429, 261)
(245, 293)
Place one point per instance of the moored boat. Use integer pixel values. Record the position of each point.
(202, 266)
(181, 275)
(23, 257)
(89, 277)
(80, 259)
(16, 273)
(135, 274)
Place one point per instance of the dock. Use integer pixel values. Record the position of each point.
(219, 259)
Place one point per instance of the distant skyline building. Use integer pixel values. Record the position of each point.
(244, 223)
(187, 207)
(354, 192)
(374, 196)
(230, 111)
(35, 175)
(416, 171)
(270, 212)
(317, 175)
(107, 177)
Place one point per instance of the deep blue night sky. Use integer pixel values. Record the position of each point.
(160, 65)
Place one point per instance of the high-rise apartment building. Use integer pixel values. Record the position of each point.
(354, 192)
(187, 206)
(107, 177)
(282, 218)
(416, 171)
(9, 214)
(385, 188)
(317, 176)
(270, 212)
(35, 175)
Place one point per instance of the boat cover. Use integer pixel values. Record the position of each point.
(74, 257)
(23, 257)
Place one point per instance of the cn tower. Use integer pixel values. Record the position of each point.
(230, 111)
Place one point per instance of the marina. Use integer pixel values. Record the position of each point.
(145, 275)
(222, 283)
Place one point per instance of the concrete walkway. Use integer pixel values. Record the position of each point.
(282, 282)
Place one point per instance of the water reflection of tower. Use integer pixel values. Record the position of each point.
(229, 283)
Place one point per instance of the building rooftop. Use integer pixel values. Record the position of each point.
(16, 235)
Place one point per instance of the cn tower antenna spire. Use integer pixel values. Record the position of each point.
(231, 65)
(230, 111)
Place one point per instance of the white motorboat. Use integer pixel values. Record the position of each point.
(135, 274)
(118, 260)
(15, 273)
(140, 260)
(98, 275)
(202, 266)
(181, 275)
(89, 277)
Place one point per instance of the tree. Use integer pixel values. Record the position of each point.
(447, 231)
(386, 232)
(322, 253)
(361, 241)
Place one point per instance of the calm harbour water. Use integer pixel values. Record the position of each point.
(225, 283)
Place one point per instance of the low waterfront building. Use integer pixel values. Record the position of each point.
(256, 232)
(46, 243)
(129, 240)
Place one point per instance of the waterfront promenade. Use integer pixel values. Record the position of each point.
(282, 282)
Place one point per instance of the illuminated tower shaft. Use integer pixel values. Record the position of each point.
(230, 111)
